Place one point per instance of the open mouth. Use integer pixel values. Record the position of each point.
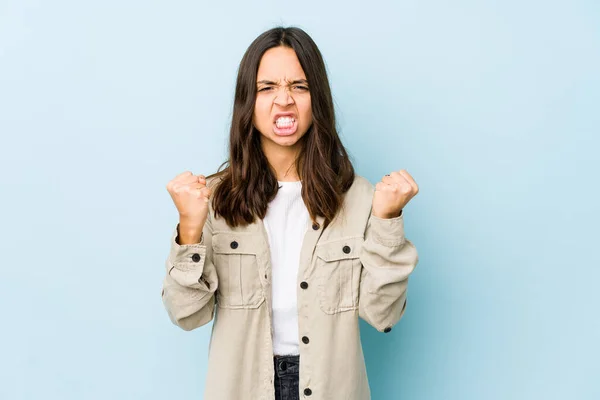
(285, 126)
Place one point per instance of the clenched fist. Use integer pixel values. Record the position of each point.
(393, 193)
(191, 196)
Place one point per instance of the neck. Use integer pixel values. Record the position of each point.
(283, 162)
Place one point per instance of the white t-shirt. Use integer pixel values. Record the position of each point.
(286, 223)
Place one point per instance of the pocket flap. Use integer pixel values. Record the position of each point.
(340, 249)
(234, 243)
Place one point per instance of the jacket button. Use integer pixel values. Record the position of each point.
(388, 329)
(196, 257)
(305, 340)
(346, 249)
(307, 392)
(234, 245)
(316, 226)
(304, 285)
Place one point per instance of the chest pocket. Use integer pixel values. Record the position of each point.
(235, 260)
(338, 272)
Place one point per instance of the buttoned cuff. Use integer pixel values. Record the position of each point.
(387, 231)
(186, 257)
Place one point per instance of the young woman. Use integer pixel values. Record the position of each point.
(285, 248)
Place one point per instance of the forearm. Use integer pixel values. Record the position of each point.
(190, 283)
(388, 258)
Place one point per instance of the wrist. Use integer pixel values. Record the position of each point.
(189, 233)
(388, 216)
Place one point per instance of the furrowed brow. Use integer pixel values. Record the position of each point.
(266, 82)
(299, 81)
(294, 82)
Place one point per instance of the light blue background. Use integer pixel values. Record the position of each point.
(493, 107)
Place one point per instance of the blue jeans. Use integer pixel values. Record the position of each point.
(287, 370)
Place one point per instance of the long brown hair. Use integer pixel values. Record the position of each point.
(248, 183)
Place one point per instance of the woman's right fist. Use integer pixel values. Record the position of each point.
(191, 196)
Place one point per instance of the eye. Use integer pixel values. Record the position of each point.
(265, 89)
(301, 88)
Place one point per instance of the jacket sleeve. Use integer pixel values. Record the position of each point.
(190, 282)
(387, 258)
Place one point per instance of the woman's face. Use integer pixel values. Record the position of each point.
(282, 111)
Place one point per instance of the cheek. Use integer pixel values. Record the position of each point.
(306, 110)
(261, 112)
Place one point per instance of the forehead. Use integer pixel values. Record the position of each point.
(280, 63)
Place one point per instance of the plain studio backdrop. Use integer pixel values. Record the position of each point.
(493, 107)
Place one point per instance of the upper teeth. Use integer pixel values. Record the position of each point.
(285, 120)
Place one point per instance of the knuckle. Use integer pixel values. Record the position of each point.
(183, 175)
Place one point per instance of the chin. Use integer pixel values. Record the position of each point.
(286, 141)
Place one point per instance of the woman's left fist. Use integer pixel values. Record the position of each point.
(393, 193)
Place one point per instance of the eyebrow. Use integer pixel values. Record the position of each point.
(296, 81)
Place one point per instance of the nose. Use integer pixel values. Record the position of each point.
(283, 97)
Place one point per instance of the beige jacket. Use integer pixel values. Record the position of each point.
(357, 267)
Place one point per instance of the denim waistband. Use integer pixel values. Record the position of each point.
(286, 365)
